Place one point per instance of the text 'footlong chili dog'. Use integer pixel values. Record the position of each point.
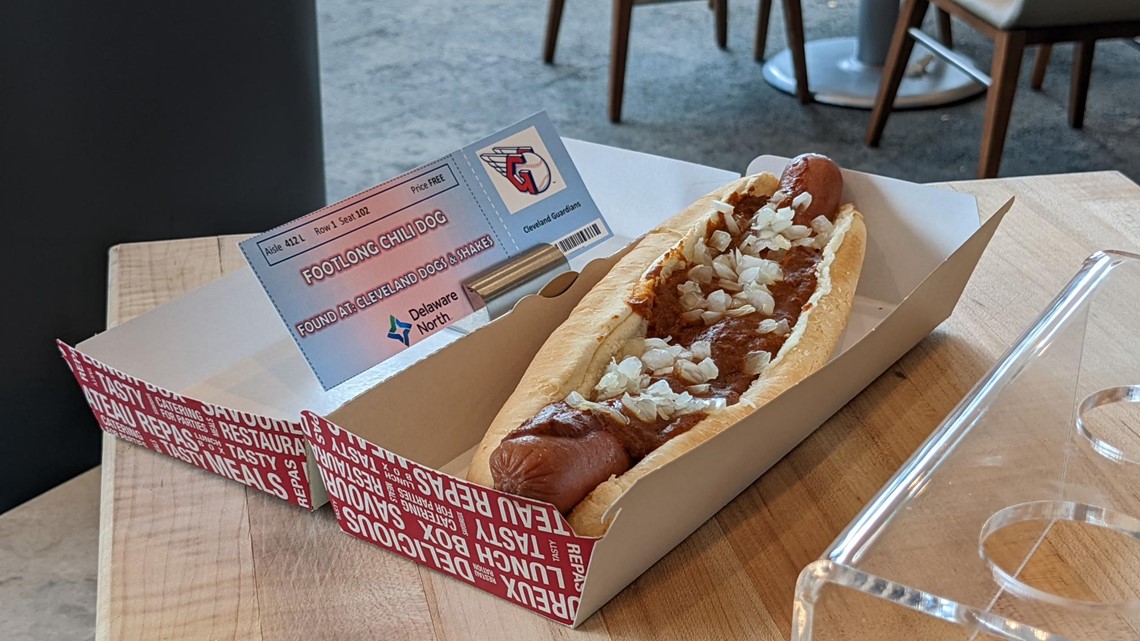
(714, 313)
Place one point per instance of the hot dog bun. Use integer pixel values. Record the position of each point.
(577, 353)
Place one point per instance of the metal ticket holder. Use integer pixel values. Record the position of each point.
(496, 291)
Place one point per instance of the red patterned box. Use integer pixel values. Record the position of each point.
(213, 379)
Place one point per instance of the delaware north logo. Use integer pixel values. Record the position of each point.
(521, 169)
(399, 330)
(521, 166)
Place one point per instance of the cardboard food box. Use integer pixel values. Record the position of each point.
(214, 379)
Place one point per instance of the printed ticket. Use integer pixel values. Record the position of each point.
(363, 279)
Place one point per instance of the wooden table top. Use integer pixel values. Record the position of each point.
(188, 555)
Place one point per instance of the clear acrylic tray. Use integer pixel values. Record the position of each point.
(1019, 518)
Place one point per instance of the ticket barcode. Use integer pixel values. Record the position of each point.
(583, 236)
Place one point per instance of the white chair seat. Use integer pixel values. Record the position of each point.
(1026, 14)
(1012, 25)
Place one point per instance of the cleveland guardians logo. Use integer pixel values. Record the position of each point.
(526, 170)
(521, 169)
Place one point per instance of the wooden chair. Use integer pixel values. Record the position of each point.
(794, 22)
(619, 41)
(1012, 25)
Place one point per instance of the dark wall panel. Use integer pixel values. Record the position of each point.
(130, 121)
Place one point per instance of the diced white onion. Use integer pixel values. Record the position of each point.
(692, 407)
(796, 232)
(692, 301)
(701, 252)
(701, 350)
(771, 272)
(630, 367)
(703, 388)
(720, 240)
(821, 225)
(642, 407)
(719, 301)
(700, 228)
(778, 242)
(725, 266)
(730, 223)
(656, 359)
(744, 262)
(772, 326)
(764, 217)
(755, 362)
(656, 343)
(693, 316)
(760, 298)
(689, 287)
(701, 274)
(709, 369)
(607, 410)
(743, 310)
(610, 385)
(714, 404)
(803, 200)
(691, 372)
(619, 378)
(722, 206)
(577, 401)
(730, 286)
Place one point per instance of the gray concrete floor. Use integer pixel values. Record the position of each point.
(49, 551)
(407, 82)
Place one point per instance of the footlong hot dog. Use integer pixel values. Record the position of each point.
(714, 313)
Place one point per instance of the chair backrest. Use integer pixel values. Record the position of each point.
(1021, 14)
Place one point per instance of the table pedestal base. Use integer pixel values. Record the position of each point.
(836, 77)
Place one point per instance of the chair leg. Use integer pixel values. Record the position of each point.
(1040, 64)
(1079, 90)
(794, 21)
(762, 30)
(619, 47)
(720, 14)
(1009, 46)
(945, 35)
(910, 15)
(553, 21)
